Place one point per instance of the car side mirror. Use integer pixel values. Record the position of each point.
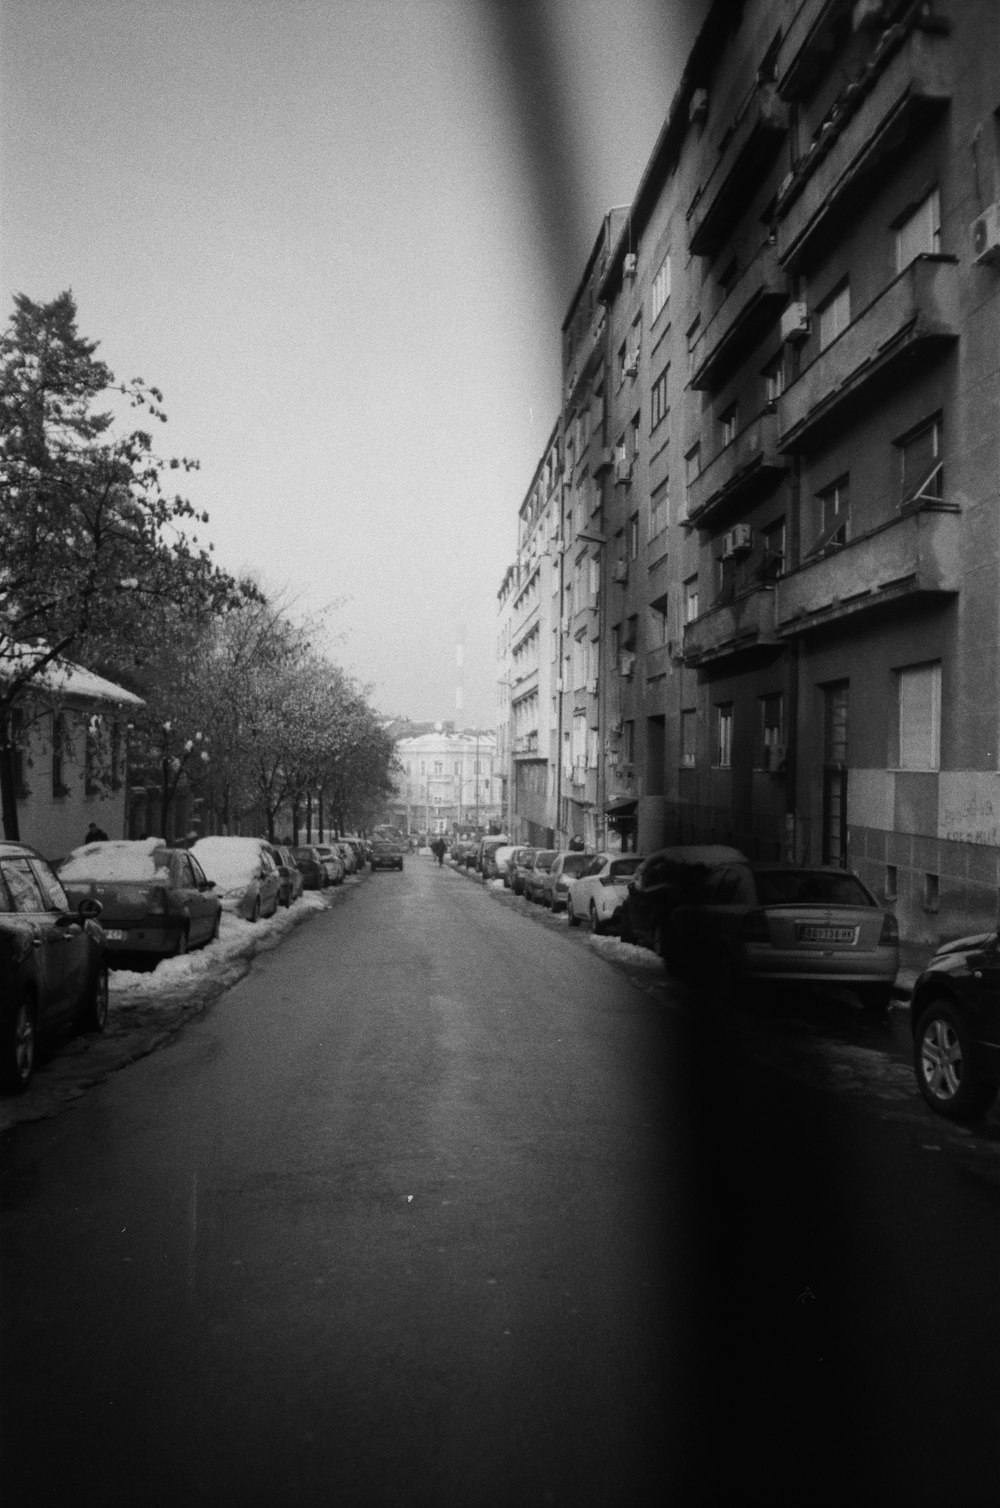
(88, 910)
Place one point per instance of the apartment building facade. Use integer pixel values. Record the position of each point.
(449, 783)
(794, 465)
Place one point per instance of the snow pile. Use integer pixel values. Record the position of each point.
(118, 859)
(622, 952)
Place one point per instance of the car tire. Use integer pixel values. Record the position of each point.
(571, 915)
(941, 1062)
(94, 1016)
(596, 925)
(19, 1046)
(255, 913)
(183, 939)
(216, 928)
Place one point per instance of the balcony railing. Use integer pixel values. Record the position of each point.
(914, 556)
(748, 468)
(905, 83)
(807, 44)
(743, 624)
(915, 317)
(754, 302)
(589, 349)
(750, 151)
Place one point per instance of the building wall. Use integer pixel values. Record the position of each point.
(53, 815)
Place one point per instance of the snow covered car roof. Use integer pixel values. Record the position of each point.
(117, 859)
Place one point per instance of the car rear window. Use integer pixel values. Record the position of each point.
(809, 887)
(622, 868)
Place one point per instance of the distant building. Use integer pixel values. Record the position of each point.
(449, 783)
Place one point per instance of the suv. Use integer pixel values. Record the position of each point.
(955, 1019)
(385, 853)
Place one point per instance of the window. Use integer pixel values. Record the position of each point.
(689, 728)
(833, 509)
(659, 509)
(634, 343)
(919, 232)
(634, 429)
(834, 316)
(690, 599)
(658, 409)
(772, 719)
(728, 422)
(628, 743)
(724, 735)
(622, 362)
(773, 563)
(920, 717)
(661, 287)
(658, 624)
(59, 752)
(692, 470)
(921, 470)
(92, 757)
(774, 378)
(633, 536)
(693, 337)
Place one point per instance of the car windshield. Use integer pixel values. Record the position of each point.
(545, 859)
(622, 868)
(116, 861)
(804, 887)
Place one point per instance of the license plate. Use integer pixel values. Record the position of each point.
(827, 934)
(114, 934)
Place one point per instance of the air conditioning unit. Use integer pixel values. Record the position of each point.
(737, 541)
(795, 323)
(630, 264)
(698, 108)
(984, 237)
(626, 663)
(775, 756)
(675, 649)
(605, 460)
(623, 469)
(631, 367)
(619, 571)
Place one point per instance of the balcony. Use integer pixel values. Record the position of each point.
(910, 324)
(747, 623)
(749, 468)
(526, 744)
(752, 146)
(904, 85)
(754, 302)
(590, 348)
(807, 46)
(912, 558)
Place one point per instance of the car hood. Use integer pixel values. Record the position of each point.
(953, 956)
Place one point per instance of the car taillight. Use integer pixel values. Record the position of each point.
(157, 903)
(754, 928)
(890, 929)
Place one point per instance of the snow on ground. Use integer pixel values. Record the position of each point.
(617, 951)
(147, 1008)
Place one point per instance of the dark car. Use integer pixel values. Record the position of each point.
(386, 853)
(535, 876)
(311, 867)
(523, 861)
(292, 883)
(53, 967)
(666, 879)
(155, 901)
(955, 1020)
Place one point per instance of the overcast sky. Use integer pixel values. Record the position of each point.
(341, 237)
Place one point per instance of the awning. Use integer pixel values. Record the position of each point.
(624, 807)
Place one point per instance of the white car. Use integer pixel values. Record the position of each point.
(246, 878)
(598, 896)
(498, 863)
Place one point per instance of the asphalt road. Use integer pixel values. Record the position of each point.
(437, 1208)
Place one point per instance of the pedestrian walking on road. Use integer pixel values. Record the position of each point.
(439, 847)
(95, 834)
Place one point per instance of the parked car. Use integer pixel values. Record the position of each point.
(311, 866)
(458, 851)
(292, 883)
(534, 879)
(663, 881)
(485, 850)
(507, 874)
(246, 877)
(555, 885)
(599, 895)
(333, 864)
(522, 864)
(348, 855)
(53, 966)
(386, 853)
(955, 1020)
(155, 901)
(784, 922)
(360, 854)
(495, 862)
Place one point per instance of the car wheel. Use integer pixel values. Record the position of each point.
(19, 1047)
(215, 930)
(942, 1063)
(94, 1016)
(183, 939)
(571, 915)
(255, 913)
(596, 925)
